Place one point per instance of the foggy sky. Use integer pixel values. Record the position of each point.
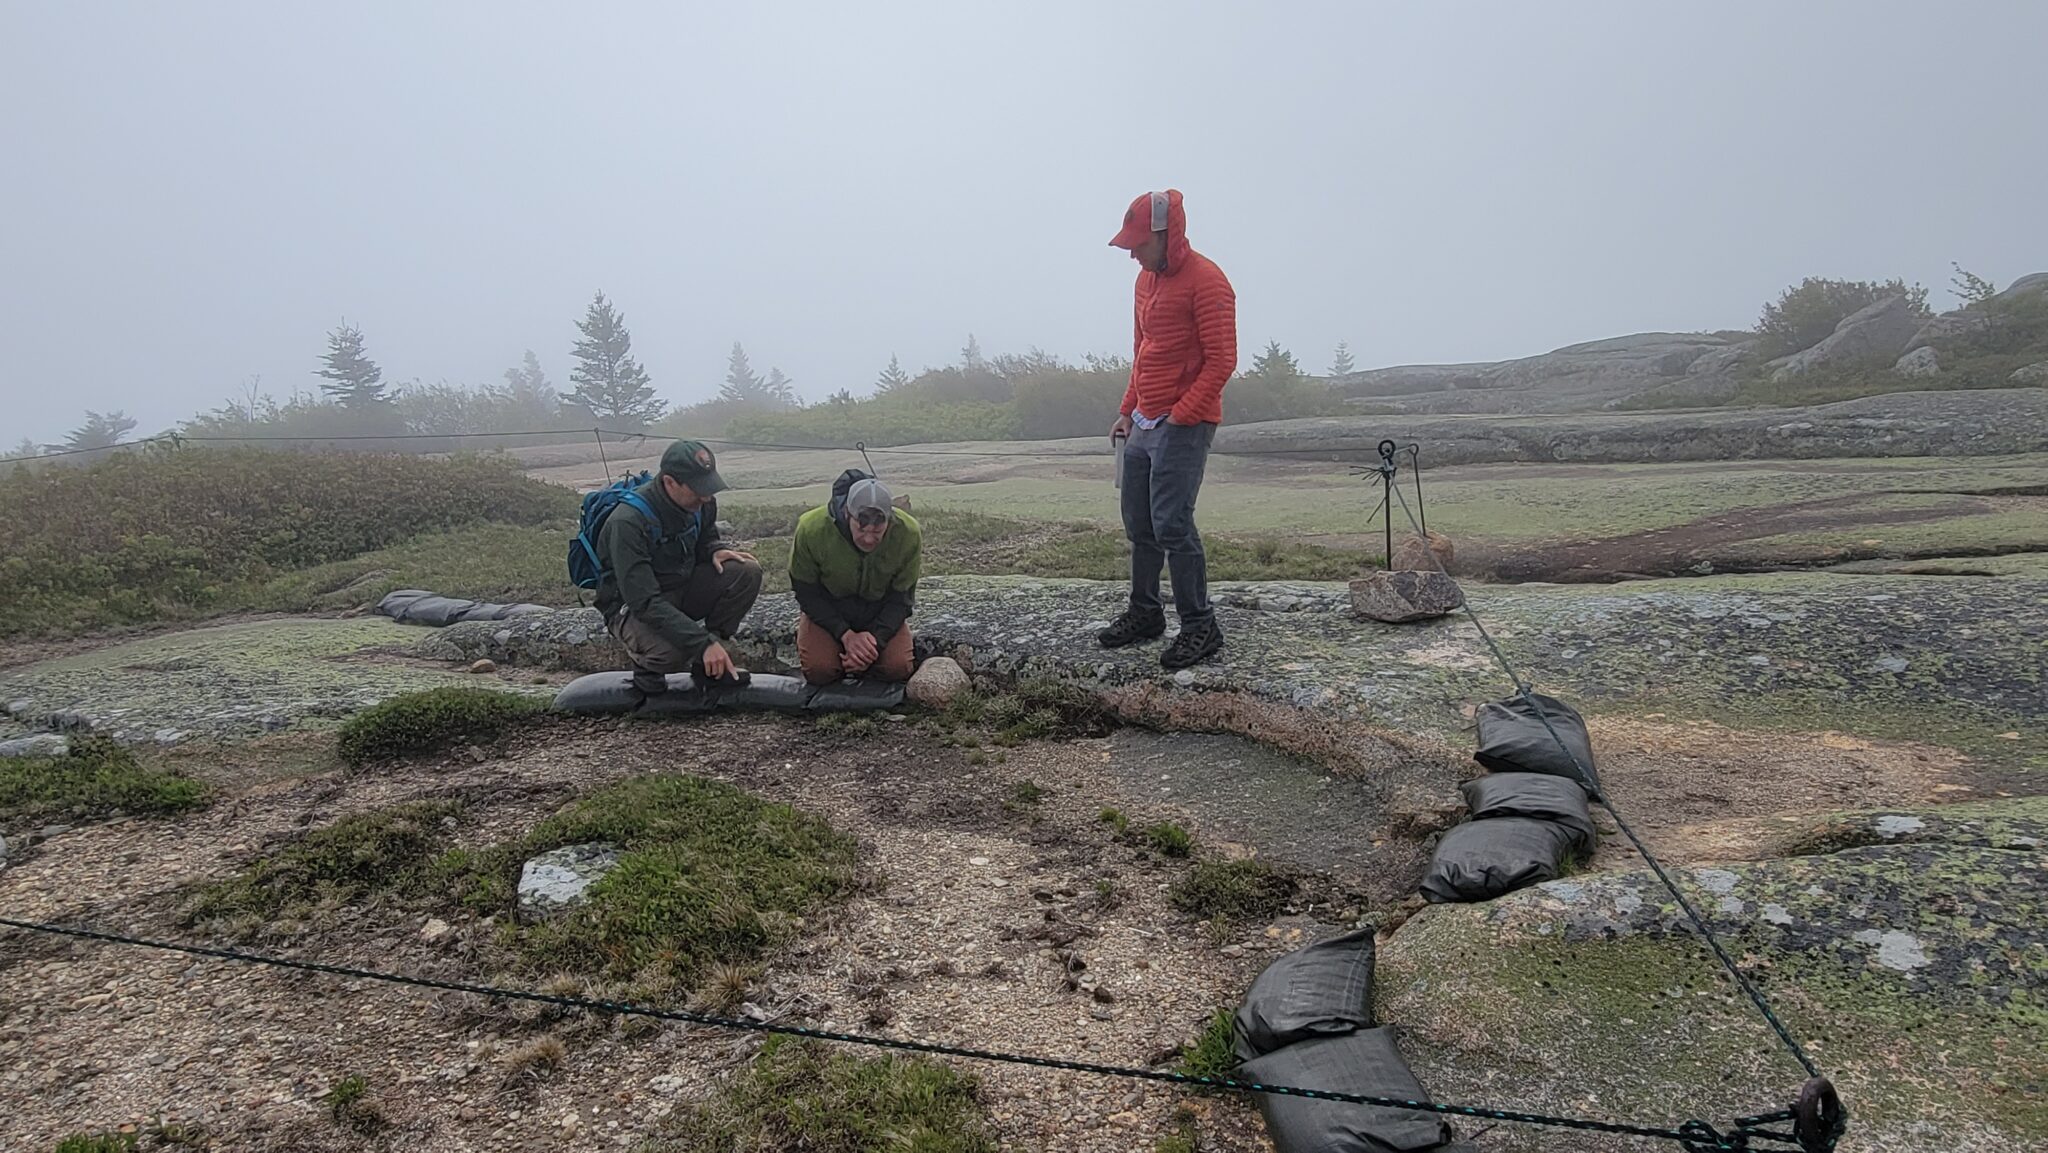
(194, 193)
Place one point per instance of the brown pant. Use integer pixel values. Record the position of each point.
(720, 599)
(818, 654)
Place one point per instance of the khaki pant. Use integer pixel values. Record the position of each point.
(818, 654)
(720, 599)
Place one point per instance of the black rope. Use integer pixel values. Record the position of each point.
(1522, 689)
(1696, 1136)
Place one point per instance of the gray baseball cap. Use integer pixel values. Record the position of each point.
(866, 495)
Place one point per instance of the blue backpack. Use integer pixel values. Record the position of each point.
(586, 567)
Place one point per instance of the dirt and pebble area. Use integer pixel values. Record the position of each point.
(1027, 927)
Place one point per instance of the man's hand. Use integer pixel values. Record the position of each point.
(861, 650)
(717, 662)
(719, 558)
(1122, 427)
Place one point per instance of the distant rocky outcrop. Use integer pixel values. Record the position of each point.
(1964, 423)
(1922, 361)
(1980, 319)
(1875, 334)
(1576, 378)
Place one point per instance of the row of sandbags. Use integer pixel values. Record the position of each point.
(1307, 1023)
(613, 694)
(419, 607)
(1529, 813)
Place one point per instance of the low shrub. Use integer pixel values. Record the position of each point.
(387, 851)
(422, 722)
(95, 778)
(1170, 839)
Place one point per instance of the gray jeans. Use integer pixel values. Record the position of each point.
(1162, 475)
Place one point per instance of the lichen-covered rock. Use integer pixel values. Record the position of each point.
(1877, 333)
(1923, 361)
(1928, 955)
(560, 878)
(2031, 374)
(40, 745)
(938, 682)
(1403, 597)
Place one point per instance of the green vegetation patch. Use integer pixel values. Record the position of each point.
(356, 859)
(1231, 890)
(707, 874)
(95, 778)
(1169, 839)
(422, 722)
(802, 1095)
(1213, 1054)
(165, 535)
(98, 1143)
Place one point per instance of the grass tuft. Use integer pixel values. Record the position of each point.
(1116, 820)
(804, 1095)
(1227, 891)
(350, 1105)
(95, 778)
(425, 721)
(1213, 1053)
(1169, 839)
(98, 1143)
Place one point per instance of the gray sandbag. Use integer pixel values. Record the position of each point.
(765, 691)
(1536, 796)
(856, 696)
(612, 695)
(683, 699)
(1322, 990)
(493, 611)
(419, 607)
(1512, 739)
(1481, 860)
(1365, 1062)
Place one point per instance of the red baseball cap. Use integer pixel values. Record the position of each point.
(1146, 215)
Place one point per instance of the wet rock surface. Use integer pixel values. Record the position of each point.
(1402, 597)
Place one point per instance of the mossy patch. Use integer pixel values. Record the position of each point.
(98, 1143)
(1231, 891)
(804, 1095)
(96, 778)
(434, 719)
(359, 858)
(707, 874)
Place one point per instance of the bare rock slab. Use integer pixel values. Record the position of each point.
(1403, 596)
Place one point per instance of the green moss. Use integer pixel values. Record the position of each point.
(434, 719)
(802, 1095)
(1169, 839)
(95, 778)
(98, 1143)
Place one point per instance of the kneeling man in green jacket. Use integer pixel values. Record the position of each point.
(853, 567)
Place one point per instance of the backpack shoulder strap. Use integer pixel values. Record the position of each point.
(646, 512)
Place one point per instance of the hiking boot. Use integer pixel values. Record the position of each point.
(1195, 644)
(1132, 627)
(652, 684)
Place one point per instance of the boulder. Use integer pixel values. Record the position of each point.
(1922, 361)
(40, 745)
(1977, 319)
(1579, 377)
(1402, 596)
(1424, 556)
(483, 665)
(2031, 374)
(560, 878)
(1873, 334)
(938, 682)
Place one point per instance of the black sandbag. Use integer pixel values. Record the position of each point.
(493, 611)
(599, 694)
(856, 696)
(398, 600)
(1480, 860)
(1323, 990)
(1365, 1062)
(683, 698)
(765, 691)
(1513, 740)
(1536, 796)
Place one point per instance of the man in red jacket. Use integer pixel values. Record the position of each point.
(1185, 350)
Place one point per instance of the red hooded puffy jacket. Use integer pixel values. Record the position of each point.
(1185, 325)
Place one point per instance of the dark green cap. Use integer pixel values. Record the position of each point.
(692, 463)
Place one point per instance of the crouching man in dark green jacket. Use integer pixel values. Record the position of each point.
(672, 591)
(853, 567)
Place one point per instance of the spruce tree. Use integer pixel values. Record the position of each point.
(892, 378)
(742, 384)
(610, 384)
(100, 430)
(1341, 363)
(353, 380)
